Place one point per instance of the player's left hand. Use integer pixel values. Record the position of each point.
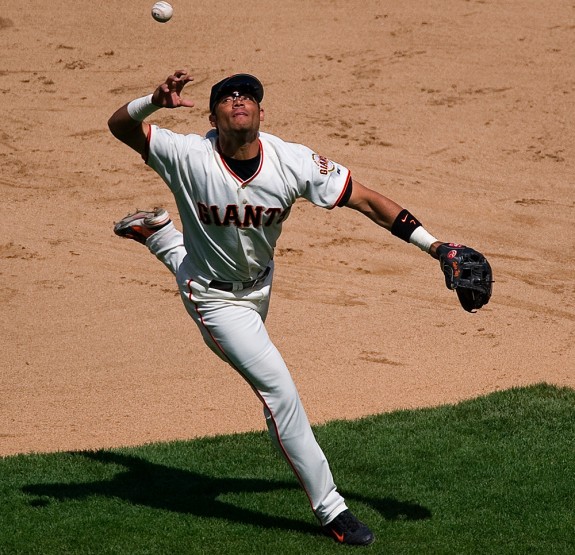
(467, 272)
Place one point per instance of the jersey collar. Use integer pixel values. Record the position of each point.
(232, 173)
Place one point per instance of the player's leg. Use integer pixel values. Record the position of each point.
(155, 230)
(168, 246)
(235, 331)
(252, 353)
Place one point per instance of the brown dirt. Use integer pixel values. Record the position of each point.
(460, 110)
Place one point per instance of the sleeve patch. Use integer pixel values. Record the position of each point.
(324, 164)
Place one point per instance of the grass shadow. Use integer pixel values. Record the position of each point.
(163, 487)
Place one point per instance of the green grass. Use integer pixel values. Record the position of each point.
(492, 475)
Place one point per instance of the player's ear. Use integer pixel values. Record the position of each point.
(213, 120)
(261, 114)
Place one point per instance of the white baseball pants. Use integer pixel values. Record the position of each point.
(232, 325)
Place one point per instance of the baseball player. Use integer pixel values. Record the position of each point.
(234, 189)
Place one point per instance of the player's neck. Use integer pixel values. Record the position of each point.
(239, 147)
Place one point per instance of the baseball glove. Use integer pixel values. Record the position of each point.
(468, 272)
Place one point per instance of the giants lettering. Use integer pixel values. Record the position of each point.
(215, 215)
(204, 213)
(232, 216)
(325, 165)
(254, 216)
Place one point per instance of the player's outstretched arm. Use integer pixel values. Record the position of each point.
(391, 216)
(465, 270)
(127, 123)
(375, 206)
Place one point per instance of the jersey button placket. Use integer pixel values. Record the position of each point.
(243, 200)
(242, 196)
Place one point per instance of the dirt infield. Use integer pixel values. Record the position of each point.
(460, 110)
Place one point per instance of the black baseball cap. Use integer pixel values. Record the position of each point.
(241, 82)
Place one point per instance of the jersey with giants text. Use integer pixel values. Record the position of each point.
(231, 226)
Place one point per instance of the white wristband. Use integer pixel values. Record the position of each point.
(422, 239)
(140, 108)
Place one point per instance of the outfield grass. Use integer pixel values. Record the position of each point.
(492, 475)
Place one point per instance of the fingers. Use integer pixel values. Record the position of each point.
(179, 79)
(169, 92)
(183, 75)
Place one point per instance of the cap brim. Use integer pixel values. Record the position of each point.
(241, 82)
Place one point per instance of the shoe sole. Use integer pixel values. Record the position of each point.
(151, 221)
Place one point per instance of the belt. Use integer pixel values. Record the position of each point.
(238, 285)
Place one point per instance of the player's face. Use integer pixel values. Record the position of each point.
(237, 112)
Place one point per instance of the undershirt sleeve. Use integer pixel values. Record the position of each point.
(347, 194)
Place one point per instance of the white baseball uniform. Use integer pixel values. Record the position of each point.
(230, 229)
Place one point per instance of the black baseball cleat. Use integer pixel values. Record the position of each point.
(346, 528)
(140, 225)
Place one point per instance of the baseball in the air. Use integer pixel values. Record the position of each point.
(162, 11)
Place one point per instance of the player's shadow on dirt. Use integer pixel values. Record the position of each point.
(162, 487)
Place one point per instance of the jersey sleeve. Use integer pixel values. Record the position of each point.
(167, 150)
(326, 181)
